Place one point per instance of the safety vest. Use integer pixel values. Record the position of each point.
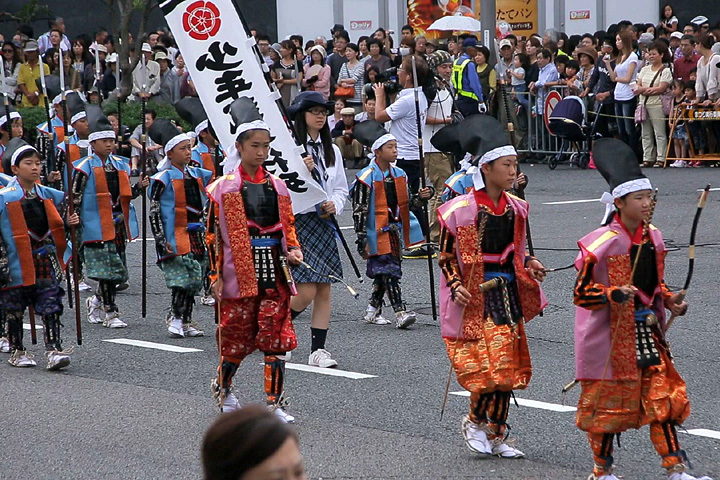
(457, 79)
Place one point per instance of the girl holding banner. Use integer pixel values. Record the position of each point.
(315, 232)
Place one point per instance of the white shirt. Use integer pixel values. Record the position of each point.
(334, 180)
(623, 92)
(440, 107)
(404, 122)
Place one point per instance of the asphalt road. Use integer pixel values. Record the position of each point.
(123, 411)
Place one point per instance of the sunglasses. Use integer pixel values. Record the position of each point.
(8, 51)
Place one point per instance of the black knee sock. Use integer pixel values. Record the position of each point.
(15, 329)
(52, 326)
(318, 336)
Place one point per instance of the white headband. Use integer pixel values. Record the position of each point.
(78, 116)
(201, 126)
(620, 191)
(176, 140)
(254, 125)
(378, 144)
(100, 135)
(496, 153)
(16, 154)
(465, 163)
(13, 116)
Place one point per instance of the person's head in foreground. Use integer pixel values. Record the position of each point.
(251, 444)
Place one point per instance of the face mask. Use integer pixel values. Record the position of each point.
(404, 51)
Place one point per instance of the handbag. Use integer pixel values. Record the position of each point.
(344, 92)
(641, 110)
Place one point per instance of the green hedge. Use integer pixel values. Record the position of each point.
(130, 116)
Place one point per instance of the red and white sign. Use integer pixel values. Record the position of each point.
(551, 100)
(579, 14)
(361, 25)
(201, 20)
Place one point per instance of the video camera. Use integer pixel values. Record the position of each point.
(389, 80)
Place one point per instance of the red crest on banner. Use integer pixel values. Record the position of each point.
(201, 20)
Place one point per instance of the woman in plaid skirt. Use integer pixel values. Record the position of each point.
(315, 233)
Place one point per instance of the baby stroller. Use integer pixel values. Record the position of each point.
(568, 121)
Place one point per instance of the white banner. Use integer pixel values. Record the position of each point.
(223, 66)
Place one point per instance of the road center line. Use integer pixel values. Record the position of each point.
(328, 371)
(569, 202)
(26, 326)
(704, 432)
(553, 407)
(156, 346)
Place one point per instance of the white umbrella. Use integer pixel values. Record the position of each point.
(456, 22)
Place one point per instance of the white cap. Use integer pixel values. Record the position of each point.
(699, 20)
(505, 43)
(676, 35)
(112, 58)
(146, 47)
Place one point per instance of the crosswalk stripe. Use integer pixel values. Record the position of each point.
(153, 345)
(553, 407)
(328, 371)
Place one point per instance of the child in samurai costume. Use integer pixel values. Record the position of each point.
(102, 196)
(78, 143)
(207, 153)
(383, 221)
(251, 239)
(622, 359)
(177, 203)
(482, 238)
(9, 129)
(32, 254)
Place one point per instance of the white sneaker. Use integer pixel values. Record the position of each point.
(208, 300)
(374, 315)
(192, 330)
(607, 476)
(404, 319)
(475, 436)
(230, 403)
(321, 358)
(94, 309)
(281, 414)
(84, 287)
(686, 476)
(112, 320)
(57, 360)
(4, 345)
(175, 327)
(503, 450)
(20, 358)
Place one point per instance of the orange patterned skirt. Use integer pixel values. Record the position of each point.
(499, 360)
(611, 406)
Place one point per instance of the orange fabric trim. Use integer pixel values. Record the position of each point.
(22, 242)
(60, 132)
(125, 198)
(107, 226)
(57, 230)
(288, 220)
(73, 153)
(622, 318)
(402, 196)
(381, 218)
(474, 312)
(208, 163)
(239, 239)
(182, 239)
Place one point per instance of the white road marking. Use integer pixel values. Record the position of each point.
(26, 326)
(569, 202)
(347, 227)
(140, 240)
(156, 346)
(712, 189)
(328, 371)
(704, 432)
(553, 407)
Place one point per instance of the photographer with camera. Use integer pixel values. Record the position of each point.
(404, 126)
(466, 81)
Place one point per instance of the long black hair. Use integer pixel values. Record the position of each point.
(325, 137)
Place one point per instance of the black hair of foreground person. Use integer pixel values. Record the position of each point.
(251, 443)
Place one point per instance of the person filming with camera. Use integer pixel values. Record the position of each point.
(404, 127)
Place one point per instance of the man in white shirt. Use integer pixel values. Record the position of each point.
(404, 126)
(44, 41)
(438, 165)
(150, 79)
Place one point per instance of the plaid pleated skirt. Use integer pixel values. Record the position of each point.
(319, 248)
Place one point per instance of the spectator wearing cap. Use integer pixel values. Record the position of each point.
(438, 165)
(110, 80)
(90, 74)
(28, 74)
(146, 75)
(587, 56)
(47, 41)
(342, 134)
(316, 74)
(169, 85)
(466, 81)
(674, 39)
(688, 59)
(505, 61)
